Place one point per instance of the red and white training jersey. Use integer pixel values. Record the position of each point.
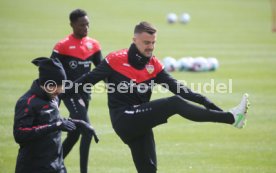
(118, 61)
(77, 55)
(77, 48)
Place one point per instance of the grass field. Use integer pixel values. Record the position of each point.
(237, 32)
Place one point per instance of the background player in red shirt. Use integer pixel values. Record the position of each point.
(131, 74)
(76, 52)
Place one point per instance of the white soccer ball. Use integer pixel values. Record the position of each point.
(169, 64)
(185, 64)
(172, 18)
(184, 18)
(200, 64)
(213, 63)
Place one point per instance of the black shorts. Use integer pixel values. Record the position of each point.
(135, 121)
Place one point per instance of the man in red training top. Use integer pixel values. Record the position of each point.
(131, 74)
(76, 52)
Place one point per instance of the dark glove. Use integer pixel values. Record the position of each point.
(210, 105)
(66, 125)
(86, 128)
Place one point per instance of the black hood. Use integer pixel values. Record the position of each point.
(50, 69)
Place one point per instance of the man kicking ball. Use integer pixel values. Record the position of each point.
(130, 74)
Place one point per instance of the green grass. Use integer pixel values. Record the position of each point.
(237, 32)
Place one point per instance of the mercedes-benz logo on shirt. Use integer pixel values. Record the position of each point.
(73, 64)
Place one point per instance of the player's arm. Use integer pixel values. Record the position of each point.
(55, 55)
(56, 51)
(25, 130)
(101, 72)
(178, 88)
(97, 58)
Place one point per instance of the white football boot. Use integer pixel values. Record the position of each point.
(239, 112)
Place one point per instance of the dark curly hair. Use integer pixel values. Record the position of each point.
(77, 13)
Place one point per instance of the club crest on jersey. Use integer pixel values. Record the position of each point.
(73, 64)
(89, 46)
(150, 68)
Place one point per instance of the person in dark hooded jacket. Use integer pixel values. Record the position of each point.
(38, 124)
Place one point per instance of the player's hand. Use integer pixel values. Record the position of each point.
(210, 105)
(66, 125)
(86, 128)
